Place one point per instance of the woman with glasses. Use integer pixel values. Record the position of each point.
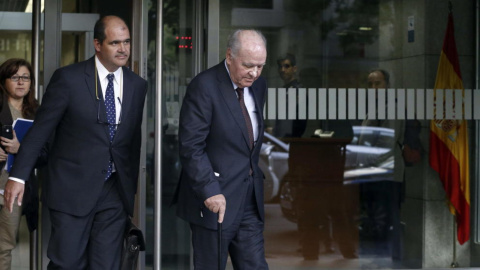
(17, 100)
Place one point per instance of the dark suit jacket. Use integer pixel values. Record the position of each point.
(213, 139)
(80, 152)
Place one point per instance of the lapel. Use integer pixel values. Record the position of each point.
(90, 79)
(95, 89)
(230, 97)
(96, 94)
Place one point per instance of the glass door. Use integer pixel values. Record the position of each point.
(67, 30)
(179, 40)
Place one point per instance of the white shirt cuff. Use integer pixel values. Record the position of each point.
(17, 180)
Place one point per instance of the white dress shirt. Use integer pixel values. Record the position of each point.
(117, 89)
(250, 104)
(117, 85)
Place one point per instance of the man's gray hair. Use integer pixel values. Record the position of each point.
(234, 42)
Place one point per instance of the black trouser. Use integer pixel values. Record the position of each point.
(93, 241)
(317, 203)
(243, 239)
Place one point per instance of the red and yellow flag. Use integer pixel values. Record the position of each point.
(449, 140)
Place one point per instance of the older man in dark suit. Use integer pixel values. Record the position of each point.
(94, 109)
(221, 132)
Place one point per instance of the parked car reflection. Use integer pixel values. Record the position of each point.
(367, 146)
(375, 197)
(369, 159)
(274, 164)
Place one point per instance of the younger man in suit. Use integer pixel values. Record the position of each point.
(95, 109)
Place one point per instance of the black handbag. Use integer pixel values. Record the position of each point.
(133, 244)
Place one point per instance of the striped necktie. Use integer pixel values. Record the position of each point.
(248, 122)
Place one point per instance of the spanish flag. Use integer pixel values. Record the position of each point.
(449, 140)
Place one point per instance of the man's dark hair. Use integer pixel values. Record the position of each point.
(385, 73)
(99, 29)
(288, 56)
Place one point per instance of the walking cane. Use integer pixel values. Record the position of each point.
(219, 231)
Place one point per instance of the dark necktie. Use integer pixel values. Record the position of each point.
(111, 117)
(248, 122)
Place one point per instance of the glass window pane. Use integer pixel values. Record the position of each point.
(350, 180)
(177, 71)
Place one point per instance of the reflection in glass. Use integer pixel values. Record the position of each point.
(177, 71)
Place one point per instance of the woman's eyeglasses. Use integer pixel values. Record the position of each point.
(100, 121)
(16, 78)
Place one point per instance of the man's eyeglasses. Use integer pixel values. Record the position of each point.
(15, 78)
(100, 121)
(284, 66)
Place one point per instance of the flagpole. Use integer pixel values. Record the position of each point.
(454, 263)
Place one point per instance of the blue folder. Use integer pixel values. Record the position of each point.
(21, 127)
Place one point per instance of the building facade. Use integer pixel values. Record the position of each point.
(392, 210)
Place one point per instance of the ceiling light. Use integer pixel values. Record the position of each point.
(365, 28)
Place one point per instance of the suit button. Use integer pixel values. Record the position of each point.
(104, 171)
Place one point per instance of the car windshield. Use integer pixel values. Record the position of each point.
(373, 136)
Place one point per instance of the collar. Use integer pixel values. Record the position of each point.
(234, 85)
(103, 72)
